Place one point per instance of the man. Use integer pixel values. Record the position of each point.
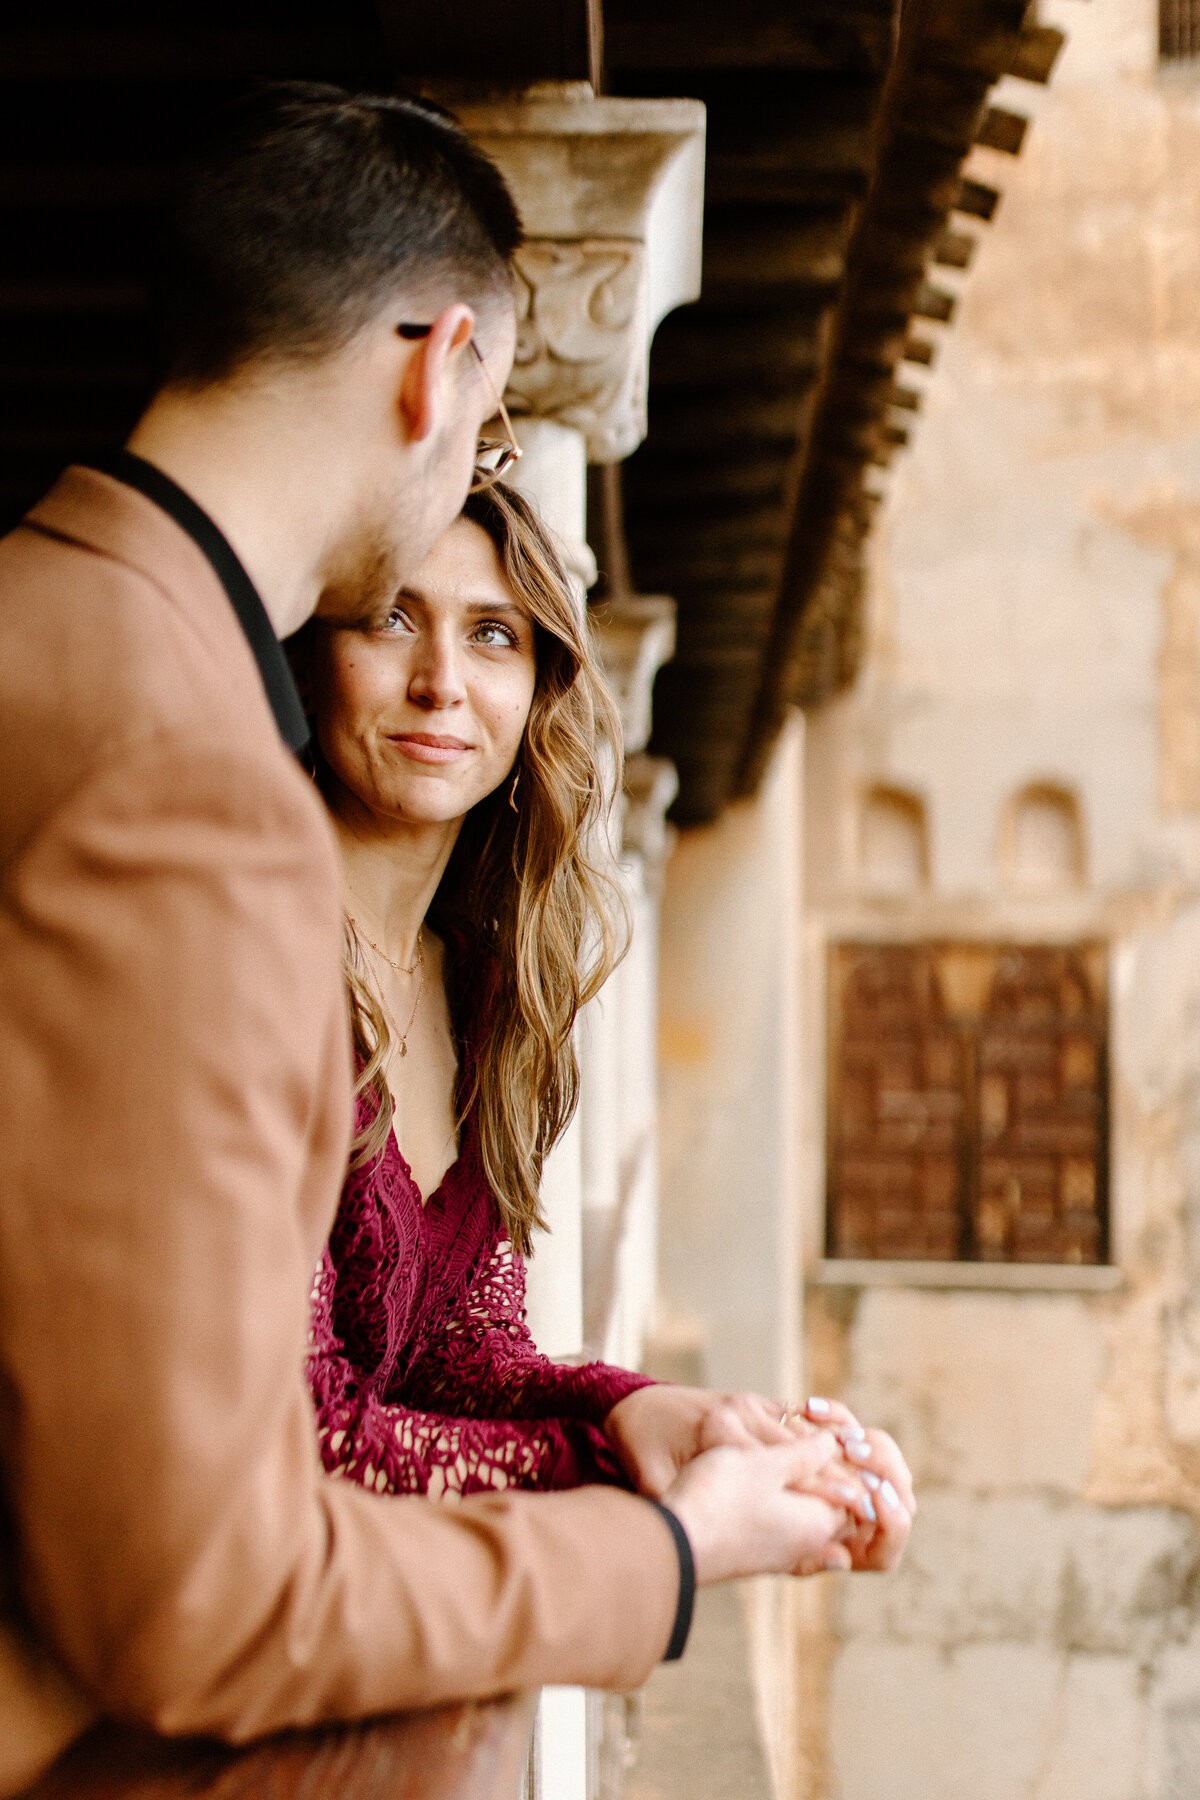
(174, 1073)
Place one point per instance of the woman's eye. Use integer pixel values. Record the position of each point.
(395, 621)
(494, 635)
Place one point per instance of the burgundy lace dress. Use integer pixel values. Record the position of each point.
(421, 1365)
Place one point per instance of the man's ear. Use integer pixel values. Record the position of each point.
(421, 387)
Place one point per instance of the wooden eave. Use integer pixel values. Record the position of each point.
(836, 141)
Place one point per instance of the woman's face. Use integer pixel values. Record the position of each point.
(420, 717)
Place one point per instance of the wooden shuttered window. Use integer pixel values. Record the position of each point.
(1178, 29)
(968, 1102)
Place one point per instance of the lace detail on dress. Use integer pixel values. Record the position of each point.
(421, 1364)
(487, 1339)
(394, 1451)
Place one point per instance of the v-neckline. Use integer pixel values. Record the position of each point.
(423, 1203)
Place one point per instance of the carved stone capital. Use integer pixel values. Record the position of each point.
(612, 194)
(580, 332)
(636, 636)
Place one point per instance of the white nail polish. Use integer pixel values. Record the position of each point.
(816, 1405)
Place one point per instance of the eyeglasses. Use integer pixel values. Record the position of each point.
(493, 456)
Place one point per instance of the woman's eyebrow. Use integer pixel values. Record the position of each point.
(495, 606)
(481, 603)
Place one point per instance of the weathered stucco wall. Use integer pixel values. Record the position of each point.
(1035, 622)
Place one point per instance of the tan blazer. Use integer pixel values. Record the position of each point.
(174, 1118)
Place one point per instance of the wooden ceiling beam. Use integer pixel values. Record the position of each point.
(750, 254)
(776, 180)
(934, 303)
(712, 689)
(977, 199)
(909, 399)
(1000, 129)
(678, 35)
(740, 565)
(758, 431)
(159, 53)
(954, 249)
(749, 607)
(943, 106)
(689, 542)
(488, 44)
(670, 482)
(919, 350)
(1030, 54)
(700, 345)
(813, 117)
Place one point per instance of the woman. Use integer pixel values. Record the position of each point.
(466, 746)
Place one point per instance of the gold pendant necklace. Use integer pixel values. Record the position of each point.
(417, 967)
(401, 1039)
(413, 1014)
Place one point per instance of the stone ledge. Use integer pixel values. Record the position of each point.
(1041, 1278)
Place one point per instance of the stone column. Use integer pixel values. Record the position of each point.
(611, 192)
(619, 1040)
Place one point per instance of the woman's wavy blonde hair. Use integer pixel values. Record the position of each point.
(529, 906)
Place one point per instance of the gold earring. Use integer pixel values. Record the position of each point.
(512, 792)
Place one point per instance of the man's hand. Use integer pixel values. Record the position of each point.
(656, 1431)
(744, 1516)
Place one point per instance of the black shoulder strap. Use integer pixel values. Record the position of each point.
(244, 597)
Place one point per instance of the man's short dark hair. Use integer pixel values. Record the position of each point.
(314, 206)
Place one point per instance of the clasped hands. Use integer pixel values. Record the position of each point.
(765, 1489)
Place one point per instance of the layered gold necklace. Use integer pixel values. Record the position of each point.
(415, 968)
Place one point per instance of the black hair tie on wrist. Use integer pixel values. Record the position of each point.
(687, 1584)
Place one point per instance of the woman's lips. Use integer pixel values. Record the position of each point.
(424, 746)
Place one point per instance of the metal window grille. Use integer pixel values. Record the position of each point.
(968, 1103)
(1178, 29)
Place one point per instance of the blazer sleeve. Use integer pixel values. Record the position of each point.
(169, 1011)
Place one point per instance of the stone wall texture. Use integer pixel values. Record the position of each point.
(1035, 630)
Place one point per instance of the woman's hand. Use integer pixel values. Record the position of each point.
(876, 1458)
(657, 1431)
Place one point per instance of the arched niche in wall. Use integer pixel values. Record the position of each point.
(893, 842)
(1041, 839)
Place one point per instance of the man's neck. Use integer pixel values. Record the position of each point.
(263, 481)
